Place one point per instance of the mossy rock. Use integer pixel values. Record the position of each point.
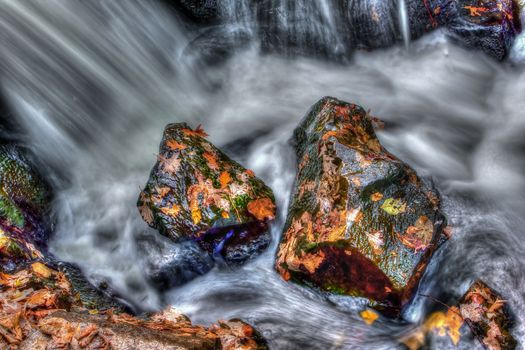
(24, 197)
(360, 222)
(196, 192)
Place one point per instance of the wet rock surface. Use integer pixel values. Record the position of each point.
(24, 197)
(488, 316)
(196, 192)
(360, 222)
(306, 28)
(487, 25)
(481, 316)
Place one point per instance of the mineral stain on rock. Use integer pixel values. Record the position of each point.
(360, 222)
(196, 192)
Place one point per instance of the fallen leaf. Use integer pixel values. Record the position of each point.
(196, 214)
(369, 316)
(376, 197)
(175, 146)
(171, 211)
(262, 208)
(419, 236)
(225, 179)
(146, 214)
(211, 158)
(394, 206)
(41, 270)
(199, 131)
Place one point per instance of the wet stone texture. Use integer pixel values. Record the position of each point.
(360, 222)
(196, 192)
(487, 25)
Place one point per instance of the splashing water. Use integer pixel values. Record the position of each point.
(94, 84)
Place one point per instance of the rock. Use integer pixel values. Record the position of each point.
(360, 222)
(480, 316)
(197, 10)
(24, 197)
(488, 25)
(488, 317)
(196, 192)
(170, 265)
(40, 308)
(305, 27)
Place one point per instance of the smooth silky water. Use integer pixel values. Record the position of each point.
(93, 84)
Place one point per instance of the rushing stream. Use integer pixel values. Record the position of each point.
(92, 85)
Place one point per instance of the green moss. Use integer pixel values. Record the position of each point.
(241, 202)
(10, 212)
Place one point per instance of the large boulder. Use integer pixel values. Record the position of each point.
(196, 192)
(360, 222)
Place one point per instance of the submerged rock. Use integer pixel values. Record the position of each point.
(480, 316)
(360, 221)
(487, 316)
(196, 192)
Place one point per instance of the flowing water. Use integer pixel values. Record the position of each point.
(92, 85)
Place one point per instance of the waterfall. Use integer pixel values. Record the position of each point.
(403, 22)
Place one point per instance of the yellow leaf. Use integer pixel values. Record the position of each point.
(369, 316)
(41, 270)
(225, 215)
(394, 206)
(196, 214)
(225, 179)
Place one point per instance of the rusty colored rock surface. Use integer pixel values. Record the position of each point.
(360, 222)
(196, 192)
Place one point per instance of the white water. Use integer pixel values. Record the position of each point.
(94, 84)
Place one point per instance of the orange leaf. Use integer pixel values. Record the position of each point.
(262, 209)
(225, 179)
(211, 159)
(199, 131)
(173, 211)
(175, 146)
